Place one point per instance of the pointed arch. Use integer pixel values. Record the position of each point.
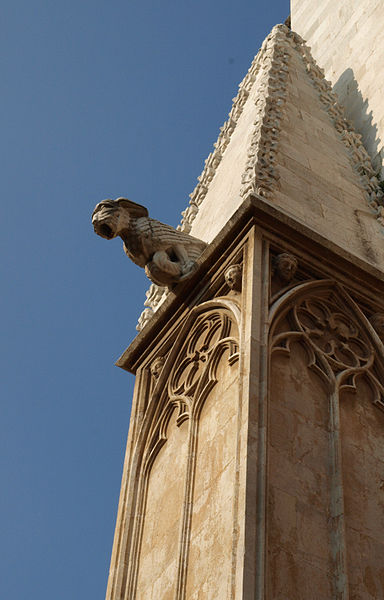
(189, 374)
(224, 311)
(342, 334)
(341, 347)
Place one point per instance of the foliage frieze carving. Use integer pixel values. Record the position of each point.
(260, 175)
(358, 155)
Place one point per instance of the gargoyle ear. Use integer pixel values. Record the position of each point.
(136, 210)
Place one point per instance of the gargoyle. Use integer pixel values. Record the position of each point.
(167, 255)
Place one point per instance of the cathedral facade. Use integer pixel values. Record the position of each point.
(255, 457)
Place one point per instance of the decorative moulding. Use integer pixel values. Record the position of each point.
(260, 173)
(271, 65)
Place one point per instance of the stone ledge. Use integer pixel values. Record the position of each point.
(355, 272)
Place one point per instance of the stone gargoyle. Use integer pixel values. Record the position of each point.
(167, 255)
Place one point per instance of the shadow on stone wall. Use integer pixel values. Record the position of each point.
(357, 111)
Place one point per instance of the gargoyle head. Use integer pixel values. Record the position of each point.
(111, 217)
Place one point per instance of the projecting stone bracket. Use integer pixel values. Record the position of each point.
(167, 255)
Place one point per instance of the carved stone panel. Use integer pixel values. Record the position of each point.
(186, 457)
(325, 447)
(333, 330)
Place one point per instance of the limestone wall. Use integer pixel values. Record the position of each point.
(208, 540)
(299, 494)
(293, 145)
(362, 455)
(347, 41)
(325, 449)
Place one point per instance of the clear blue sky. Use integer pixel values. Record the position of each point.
(99, 99)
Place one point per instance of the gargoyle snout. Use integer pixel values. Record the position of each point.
(104, 219)
(104, 230)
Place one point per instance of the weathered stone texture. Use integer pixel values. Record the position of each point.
(299, 534)
(317, 183)
(362, 428)
(211, 549)
(183, 480)
(157, 572)
(255, 463)
(347, 40)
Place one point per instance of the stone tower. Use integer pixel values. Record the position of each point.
(255, 456)
(347, 41)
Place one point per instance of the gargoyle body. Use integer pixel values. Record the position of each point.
(167, 255)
